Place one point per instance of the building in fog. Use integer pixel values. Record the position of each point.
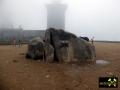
(56, 15)
(7, 34)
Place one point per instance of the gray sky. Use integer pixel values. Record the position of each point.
(98, 18)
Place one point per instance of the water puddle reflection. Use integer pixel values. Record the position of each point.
(102, 62)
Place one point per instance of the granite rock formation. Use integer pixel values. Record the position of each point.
(63, 46)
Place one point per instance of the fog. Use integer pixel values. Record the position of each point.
(98, 18)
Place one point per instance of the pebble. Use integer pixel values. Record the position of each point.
(47, 76)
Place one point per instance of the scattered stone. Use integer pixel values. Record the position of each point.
(22, 53)
(15, 61)
(47, 76)
(110, 73)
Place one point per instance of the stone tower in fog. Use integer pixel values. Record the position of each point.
(56, 15)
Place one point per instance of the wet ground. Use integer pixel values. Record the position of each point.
(102, 62)
(18, 73)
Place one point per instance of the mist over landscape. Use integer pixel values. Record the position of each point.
(59, 44)
(98, 18)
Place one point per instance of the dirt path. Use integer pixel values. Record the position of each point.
(17, 73)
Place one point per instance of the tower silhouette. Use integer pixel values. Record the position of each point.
(56, 15)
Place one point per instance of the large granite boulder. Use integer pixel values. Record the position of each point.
(35, 48)
(68, 47)
(49, 53)
(60, 46)
(80, 49)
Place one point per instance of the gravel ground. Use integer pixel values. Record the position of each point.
(18, 73)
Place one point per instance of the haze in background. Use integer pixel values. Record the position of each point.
(98, 18)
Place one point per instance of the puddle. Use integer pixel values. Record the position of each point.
(102, 62)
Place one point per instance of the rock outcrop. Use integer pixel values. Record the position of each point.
(35, 48)
(68, 47)
(63, 46)
(48, 53)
